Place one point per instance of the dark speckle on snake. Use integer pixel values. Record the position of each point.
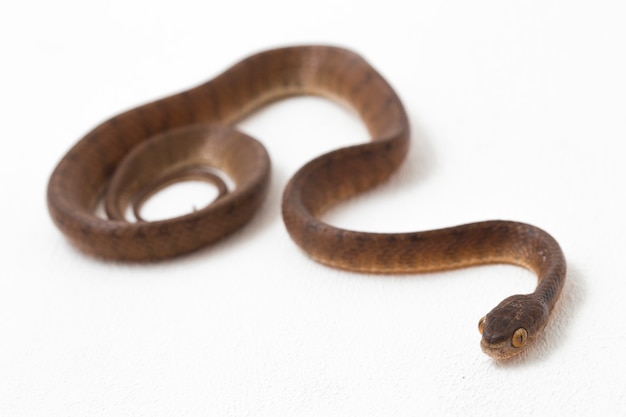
(127, 158)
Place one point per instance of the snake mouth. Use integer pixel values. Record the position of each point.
(500, 351)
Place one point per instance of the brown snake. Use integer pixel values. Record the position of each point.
(130, 156)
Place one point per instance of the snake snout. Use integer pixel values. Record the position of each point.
(511, 325)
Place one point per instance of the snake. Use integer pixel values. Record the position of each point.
(124, 160)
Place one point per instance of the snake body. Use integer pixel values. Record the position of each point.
(128, 157)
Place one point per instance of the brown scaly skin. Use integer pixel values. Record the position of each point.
(136, 152)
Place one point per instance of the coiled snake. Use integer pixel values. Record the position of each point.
(130, 156)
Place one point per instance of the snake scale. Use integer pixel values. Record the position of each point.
(187, 135)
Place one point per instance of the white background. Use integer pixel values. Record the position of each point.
(518, 112)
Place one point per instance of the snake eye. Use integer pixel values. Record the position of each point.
(519, 337)
(481, 325)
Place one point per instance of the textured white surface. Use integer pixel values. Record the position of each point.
(518, 112)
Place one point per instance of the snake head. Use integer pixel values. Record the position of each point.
(512, 325)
